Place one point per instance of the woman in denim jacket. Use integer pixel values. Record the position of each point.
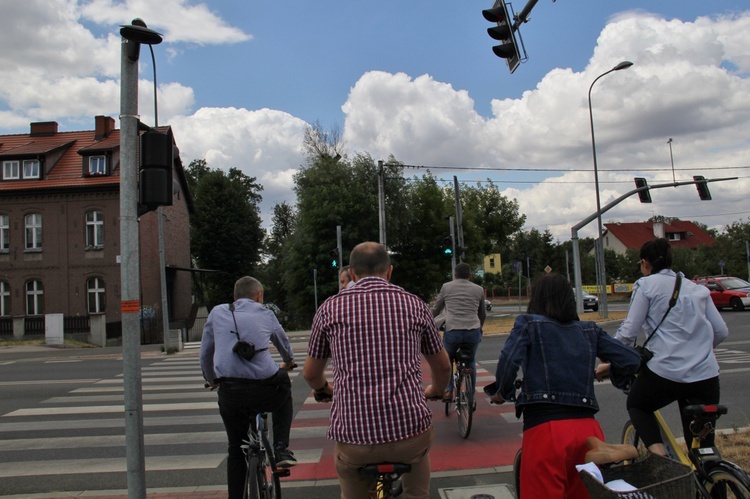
(558, 355)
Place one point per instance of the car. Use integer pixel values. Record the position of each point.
(487, 305)
(727, 291)
(590, 302)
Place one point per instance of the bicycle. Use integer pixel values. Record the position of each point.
(463, 389)
(262, 480)
(386, 478)
(714, 477)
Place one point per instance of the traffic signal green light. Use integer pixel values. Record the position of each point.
(448, 245)
(334, 254)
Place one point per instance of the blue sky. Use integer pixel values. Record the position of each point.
(239, 81)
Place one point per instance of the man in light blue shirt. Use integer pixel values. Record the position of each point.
(250, 384)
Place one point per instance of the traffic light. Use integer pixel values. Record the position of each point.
(157, 153)
(448, 245)
(702, 187)
(503, 32)
(645, 194)
(334, 257)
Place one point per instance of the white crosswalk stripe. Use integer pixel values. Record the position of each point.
(180, 419)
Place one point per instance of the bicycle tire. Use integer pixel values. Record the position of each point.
(517, 472)
(252, 479)
(465, 404)
(727, 481)
(630, 437)
(270, 483)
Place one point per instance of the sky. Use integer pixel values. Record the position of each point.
(239, 80)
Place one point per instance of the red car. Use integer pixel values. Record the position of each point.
(727, 291)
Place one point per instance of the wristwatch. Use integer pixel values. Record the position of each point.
(322, 388)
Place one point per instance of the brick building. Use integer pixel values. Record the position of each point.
(60, 231)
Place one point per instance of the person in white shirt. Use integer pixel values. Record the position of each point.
(684, 367)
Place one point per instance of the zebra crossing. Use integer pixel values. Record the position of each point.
(78, 437)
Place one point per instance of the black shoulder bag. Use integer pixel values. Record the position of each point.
(244, 349)
(644, 352)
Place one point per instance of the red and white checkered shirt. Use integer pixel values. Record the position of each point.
(375, 332)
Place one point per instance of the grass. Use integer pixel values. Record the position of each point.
(503, 325)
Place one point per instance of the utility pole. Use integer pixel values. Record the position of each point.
(381, 201)
(459, 221)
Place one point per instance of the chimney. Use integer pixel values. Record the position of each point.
(658, 229)
(104, 126)
(43, 128)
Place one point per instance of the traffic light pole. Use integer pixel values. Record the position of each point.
(574, 231)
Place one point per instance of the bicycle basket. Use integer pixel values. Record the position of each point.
(655, 477)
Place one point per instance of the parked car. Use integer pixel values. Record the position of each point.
(590, 302)
(487, 305)
(727, 291)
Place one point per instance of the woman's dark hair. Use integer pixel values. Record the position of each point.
(552, 296)
(658, 253)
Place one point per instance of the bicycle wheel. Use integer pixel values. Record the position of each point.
(252, 479)
(271, 488)
(465, 404)
(728, 481)
(630, 437)
(517, 472)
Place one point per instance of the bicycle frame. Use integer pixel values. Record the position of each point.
(262, 478)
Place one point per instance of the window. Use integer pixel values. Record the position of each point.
(4, 298)
(33, 231)
(97, 165)
(34, 298)
(674, 236)
(492, 262)
(11, 170)
(31, 168)
(4, 233)
(95, 287)
(94, 229)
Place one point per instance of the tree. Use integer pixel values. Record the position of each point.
(225, 230)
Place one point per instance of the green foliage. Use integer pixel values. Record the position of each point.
(226, 234)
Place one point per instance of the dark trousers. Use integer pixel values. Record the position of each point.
(650, 392)
(239, 402)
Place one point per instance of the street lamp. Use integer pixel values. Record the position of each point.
(133, 36)
(601, 274)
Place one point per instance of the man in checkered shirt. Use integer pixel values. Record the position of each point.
(375, 333)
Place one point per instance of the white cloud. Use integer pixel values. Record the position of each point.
(689, 82)
(177, 20)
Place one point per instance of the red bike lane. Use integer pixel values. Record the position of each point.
(494, 439)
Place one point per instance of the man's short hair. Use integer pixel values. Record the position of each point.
(247, 287)
(463, 271)
(369, 259)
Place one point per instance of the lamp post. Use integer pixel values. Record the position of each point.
(601, 275)
(132, 37)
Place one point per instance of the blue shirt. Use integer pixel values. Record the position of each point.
(257, 325)
(683, 344)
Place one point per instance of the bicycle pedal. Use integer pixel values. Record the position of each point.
(282, 472)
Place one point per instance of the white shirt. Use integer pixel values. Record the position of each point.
(683, 344)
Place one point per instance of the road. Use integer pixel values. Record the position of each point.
(61, 423)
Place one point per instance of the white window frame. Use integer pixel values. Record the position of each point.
(34, 298)
(4, 233)
(33, 226)
(94, 229)
(95, 295)
(30, 168)
(4, 298)
(11, 170)
(97, 165)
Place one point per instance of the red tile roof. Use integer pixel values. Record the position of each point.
(67, 171)
(633, 235)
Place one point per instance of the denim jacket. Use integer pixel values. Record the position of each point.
(558, 362)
